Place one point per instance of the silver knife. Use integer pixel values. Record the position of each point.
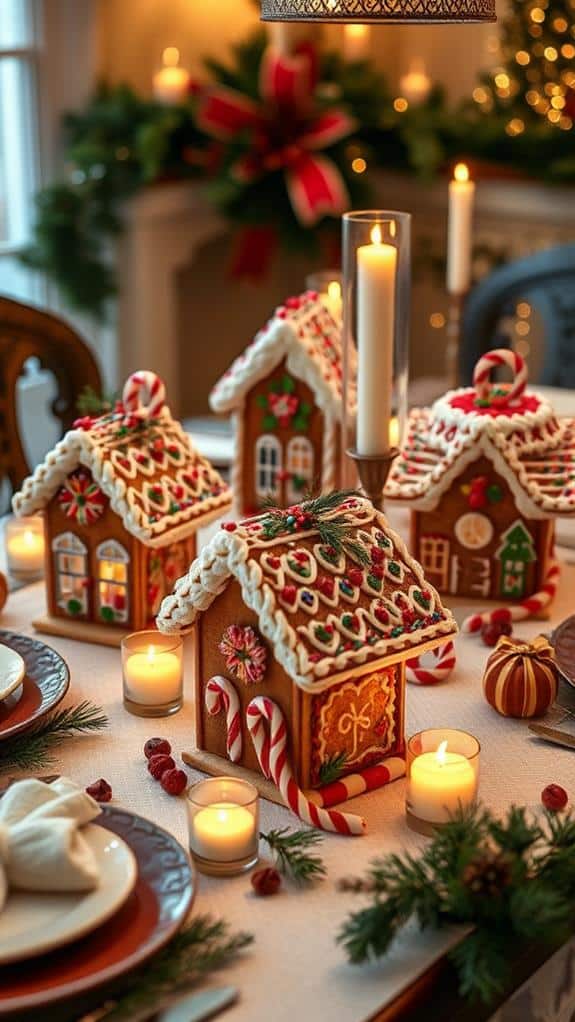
(197, 1007)
(553, 734)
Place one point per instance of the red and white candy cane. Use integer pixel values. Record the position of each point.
(445, 662)
(267, 726)
(482, 376)
(368, 779)
(519, 611)
(144, 394)
(221, 695)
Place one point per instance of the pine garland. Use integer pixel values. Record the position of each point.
(318, 513)
(33, 750)
(512, 880)
(198, 950)
(291, 852)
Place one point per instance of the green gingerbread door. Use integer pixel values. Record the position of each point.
(515, 553)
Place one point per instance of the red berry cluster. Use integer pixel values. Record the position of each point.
(100, 790)
(162, 767)
(554, 798)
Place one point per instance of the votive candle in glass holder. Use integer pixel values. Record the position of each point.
(223, 823)
(442, 777)
(25, 548)
(153, 675)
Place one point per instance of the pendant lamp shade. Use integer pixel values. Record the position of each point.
(379, 11)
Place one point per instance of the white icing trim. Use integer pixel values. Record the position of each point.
(284, 336)
(87, 448)
(228, 555)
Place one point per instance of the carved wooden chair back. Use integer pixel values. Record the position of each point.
(546, 280)
(27, 332)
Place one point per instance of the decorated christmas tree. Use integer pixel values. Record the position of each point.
(536, 76)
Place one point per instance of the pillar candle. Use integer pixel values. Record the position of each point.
(439, 783)
(460, 231)
(171, 82)
(376, 280)
(153, 678)
(356, 42)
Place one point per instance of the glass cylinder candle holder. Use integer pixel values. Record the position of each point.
(442, 777)
(152, 671)
(328, 284)
(223, 823)
(376, 298)
(25, 548)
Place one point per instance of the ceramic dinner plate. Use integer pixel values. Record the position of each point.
(12, 671)
(33, 923)
(45, 683)
(153, 913)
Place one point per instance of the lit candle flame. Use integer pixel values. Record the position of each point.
(461, 172)
(440, 755)
(376, 235)
(171, 56)
(334, 290)
(28, 537)
(151, 654)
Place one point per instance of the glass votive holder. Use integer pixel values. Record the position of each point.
(223, 823)
(442, 777)
(153, 674)
(25, 548)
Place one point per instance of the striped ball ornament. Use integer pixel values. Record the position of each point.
(520, 678)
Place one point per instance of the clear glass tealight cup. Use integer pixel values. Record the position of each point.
(153, 673)
(223, 825)
(442, 777)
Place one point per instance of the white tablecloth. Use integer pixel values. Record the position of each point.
(295, 970)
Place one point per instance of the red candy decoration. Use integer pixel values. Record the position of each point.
(155, 746)
(493, 630)
(554, 798)
(100, 790)
(157, 765)
(174, 782)
(355, 576)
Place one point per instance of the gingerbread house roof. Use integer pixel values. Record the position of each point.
(156, 481)
(322, 612)
(303, 332)
(529, 447)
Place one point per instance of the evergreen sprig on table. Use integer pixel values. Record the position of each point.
(33, 750)
(511, 880)
(292, 853)
(196, 951)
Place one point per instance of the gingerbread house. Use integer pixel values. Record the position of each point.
(285, 393)
(304, 621)
(486, 470)
(123, 496)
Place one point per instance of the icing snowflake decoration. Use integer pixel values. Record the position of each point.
(140, 459)
(325, 605)
(245, 655)
(515, 428)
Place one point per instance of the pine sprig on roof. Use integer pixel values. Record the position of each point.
(319, 514)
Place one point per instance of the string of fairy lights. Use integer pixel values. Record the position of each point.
(537, 51)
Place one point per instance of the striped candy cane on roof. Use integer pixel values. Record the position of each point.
(222, 696)
(267, 727)
(482, 376)
(445, 662)
(520, 611)
(144, 394)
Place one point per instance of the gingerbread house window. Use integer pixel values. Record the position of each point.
(435, 556)
(299, 467)
(268, 466)
(71, 573)
(112, 578)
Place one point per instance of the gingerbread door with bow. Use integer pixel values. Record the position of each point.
(123, 495)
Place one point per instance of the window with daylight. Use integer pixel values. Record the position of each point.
(268, 466)
(112, 581)
(299, 467)
(19, 141)
(71, 574)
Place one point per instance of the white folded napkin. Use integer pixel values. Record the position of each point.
(41, 845)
